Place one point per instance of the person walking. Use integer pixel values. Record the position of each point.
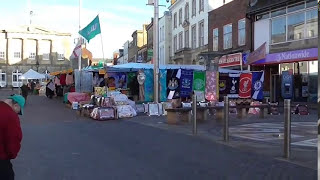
(24, 91)
(10, 134)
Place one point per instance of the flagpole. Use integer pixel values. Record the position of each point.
(79, 58)
(101, 39)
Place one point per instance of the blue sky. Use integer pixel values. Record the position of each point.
(118, 18)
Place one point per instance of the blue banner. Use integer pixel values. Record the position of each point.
(257, 85)
(287, 85)
(148, 85)
(186, 80)
(163, 85)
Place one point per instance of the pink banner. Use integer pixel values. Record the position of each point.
(211, 86)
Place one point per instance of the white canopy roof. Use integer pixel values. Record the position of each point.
(31, 74)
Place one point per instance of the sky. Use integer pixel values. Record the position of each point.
(118, 19)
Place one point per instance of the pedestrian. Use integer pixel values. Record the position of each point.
(11, 134)
(24, 91)
(50, 89)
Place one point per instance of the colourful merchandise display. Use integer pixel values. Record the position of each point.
(199, 83)
(186, 81)
(148, 85)
(211, 86)
(163, 85)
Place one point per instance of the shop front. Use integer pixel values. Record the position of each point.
(291, 75)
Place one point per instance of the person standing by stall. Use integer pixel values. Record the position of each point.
(24, 91)
(11, 134)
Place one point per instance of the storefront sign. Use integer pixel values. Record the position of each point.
(290, 56)
(230, 60)
(258, 54)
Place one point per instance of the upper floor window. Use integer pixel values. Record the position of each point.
(60, 57)
(175, 43)
(215, 39)
(194, 7)
(241, 32)
(201, 5)
(227, 36)
(2, 55)
(180, 40)
(180, 16)
(186, 38)
(193, 37)
(186, 12)
(201, 33)
(17, 55)
(32, 55)
(175, 20)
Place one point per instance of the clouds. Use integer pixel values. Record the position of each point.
(118, 20)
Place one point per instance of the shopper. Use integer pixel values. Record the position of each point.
(11, 134)
(24, 91)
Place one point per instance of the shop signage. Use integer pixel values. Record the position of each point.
(258, 54)
(290, 56)
(230, 60)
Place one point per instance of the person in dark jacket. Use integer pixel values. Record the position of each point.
(11, 134)
(24, 91)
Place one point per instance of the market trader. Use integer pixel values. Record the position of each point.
(10, 134)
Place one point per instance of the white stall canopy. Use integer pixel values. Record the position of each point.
(31, 74)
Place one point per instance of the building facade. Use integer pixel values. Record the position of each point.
(290, 32)
(189, 30)
(230, 34)
(30, 47)
(139, 39)
(150, 42)
(126, 52)
(165, 38)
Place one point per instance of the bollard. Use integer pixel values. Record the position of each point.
(287, 128)
(194, 113)
(226, 119)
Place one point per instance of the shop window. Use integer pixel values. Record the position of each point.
(312, 23)
(278, 30)
(296, 7)
(227, 36)
(311, 3)
(278, 12)
(296, 26)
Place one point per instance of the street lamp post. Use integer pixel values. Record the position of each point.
(37, 65)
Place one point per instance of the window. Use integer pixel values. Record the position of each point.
(201, 5)
(186, 12)
(278, 12)
(311, 3)
(32, 56)
(296, 26)
(180, 16)
(296, 7)
(201, 33)
(60, 56)
(45, 56)
(3, 77)
(215, 39)
(241, 32)
(17, 55)
(2, 55)
(194, 8)
(175, 20)
(186, 38)
(15, 78)
(227, 36)
(175, 43)
(180, 40)
(312, 23)
(194, 37)
(278, 30)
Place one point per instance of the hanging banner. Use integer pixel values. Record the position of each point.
(199, 83)
(148, 85)
(223, 78)
(287, 85)
(173, 79)
(233, 85)
(117, 80)
(211, 86)
(186, 83)
(163, 85)
(245, 85)
(257, 85)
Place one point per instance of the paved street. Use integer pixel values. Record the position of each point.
(59, 145)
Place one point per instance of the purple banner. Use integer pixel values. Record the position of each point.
(290, 56)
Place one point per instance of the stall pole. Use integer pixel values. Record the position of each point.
(155, 51)
(287, 128)
(194, 113)
(226, 119)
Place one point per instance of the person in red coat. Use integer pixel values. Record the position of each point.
(10, 133)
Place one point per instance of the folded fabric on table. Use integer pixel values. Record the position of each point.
(78, 97)
(125, 111)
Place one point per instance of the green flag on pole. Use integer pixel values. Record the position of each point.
(91, 30)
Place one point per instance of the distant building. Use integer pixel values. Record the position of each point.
(32, 47)
(165, 38)
(139, 40)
